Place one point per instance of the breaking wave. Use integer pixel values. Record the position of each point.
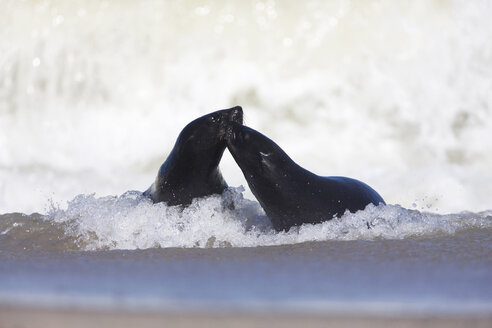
(131, 221)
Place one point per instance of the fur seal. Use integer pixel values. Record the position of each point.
(191, 170)
(290, 194)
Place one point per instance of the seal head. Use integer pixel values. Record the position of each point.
(191, 170)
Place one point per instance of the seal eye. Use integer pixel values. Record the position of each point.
(213, 119)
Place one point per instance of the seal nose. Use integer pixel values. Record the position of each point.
(237, 114)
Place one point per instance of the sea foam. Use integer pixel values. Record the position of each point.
(395, 94)
(131, 221)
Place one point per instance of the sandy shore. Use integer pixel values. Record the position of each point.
(14, 316)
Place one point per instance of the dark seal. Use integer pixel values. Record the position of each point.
(290, 194)
(192, 168)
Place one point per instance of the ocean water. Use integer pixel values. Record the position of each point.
(396, 94)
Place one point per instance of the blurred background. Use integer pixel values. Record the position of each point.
(395, 93)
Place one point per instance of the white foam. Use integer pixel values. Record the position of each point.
(393, 94)
(131, 221)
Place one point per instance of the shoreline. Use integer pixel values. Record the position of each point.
(24, 316)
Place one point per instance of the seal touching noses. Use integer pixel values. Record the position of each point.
(290, 194)
(192, 168)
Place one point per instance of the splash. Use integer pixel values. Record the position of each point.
(92, 99)
(131, 221)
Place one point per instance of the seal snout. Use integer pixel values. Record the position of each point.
(237, 115)
(229, 116)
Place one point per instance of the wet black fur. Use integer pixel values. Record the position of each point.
(191, 170)
(290, 194)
